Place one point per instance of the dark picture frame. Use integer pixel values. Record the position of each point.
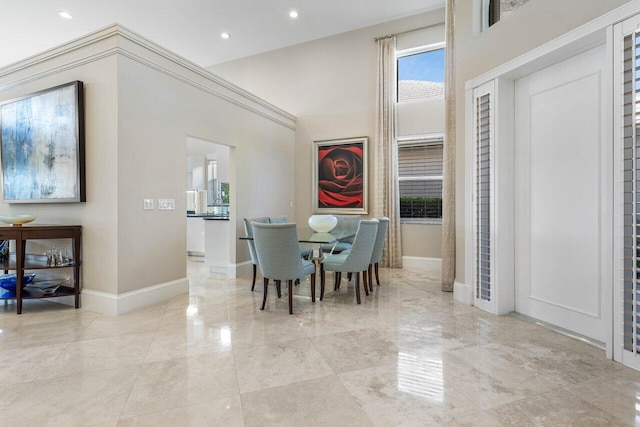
(42, 146)
(340, 176)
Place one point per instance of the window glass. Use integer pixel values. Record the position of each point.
(420, 177)
(495, 10)
(421, 76)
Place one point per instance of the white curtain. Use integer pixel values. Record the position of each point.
(449, 173)
(386, 201)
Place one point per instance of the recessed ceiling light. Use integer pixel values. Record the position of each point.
(293, 14)
(225, 35)
(64, 14)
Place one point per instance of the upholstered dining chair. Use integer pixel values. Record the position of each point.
(278, 219)
(279, 257)
(248, 231)
(356, 260)
(378, 247)
(304, 252)
(346, 224)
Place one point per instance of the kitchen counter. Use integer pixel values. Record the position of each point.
(217, 246)
(219, 217)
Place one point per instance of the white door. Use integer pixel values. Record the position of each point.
(561, 189)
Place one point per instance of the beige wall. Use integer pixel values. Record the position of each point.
(157, 113)
(532, 25)
(98, 216)
(138, 119)
(415, 236)
(330, 86)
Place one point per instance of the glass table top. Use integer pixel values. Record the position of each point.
(307, 235)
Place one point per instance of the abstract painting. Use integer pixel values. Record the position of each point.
(42, 146)
(340, 176)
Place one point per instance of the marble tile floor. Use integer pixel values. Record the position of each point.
(409, 355)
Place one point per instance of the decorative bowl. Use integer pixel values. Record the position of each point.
(17, 220)
(8, 281)
(322, 223)
(322, 237)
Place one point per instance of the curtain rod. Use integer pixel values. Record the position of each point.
(408, 31)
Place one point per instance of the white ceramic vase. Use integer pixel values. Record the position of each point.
(322, 223)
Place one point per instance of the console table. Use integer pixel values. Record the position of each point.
(20, 260)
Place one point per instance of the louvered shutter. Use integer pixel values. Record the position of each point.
(483, 178)
(630, 147)
(420, 168)
(627, 202)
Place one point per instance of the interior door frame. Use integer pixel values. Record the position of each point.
(584, 38)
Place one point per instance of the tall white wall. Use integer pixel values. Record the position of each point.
(330, 86)
(532, 25)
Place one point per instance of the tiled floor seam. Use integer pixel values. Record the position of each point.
(244, 415)
(597, 405)
(124, 405)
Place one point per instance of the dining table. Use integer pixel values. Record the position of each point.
(317, 239)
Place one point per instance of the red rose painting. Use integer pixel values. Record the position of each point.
(341, 175)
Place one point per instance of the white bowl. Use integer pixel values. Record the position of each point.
(17, 219)
(322, 237)
(322, 223)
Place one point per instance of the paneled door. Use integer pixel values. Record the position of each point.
(563, 181)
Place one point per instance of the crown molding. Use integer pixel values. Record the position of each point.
(48, 55)
(118, 40)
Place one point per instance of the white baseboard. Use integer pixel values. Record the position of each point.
(228, 270)
(462, 293)
(112, 304)
(421, 263)
(241, 269)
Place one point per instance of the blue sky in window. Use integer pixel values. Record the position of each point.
(427, 66)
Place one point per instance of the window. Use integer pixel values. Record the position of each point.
(494, 10)
(420, 177)
(421, 73)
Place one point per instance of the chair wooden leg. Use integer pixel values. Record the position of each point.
(370, 274)
(365, 280)
(313, 287)
(338, 280)
(377, 277)
(349, 276)
(253, 284)
(290, 296)
(278, 289)
(264, 295)
(321, 281)
(358, 287)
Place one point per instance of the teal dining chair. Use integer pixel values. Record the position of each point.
(346, 224)
(356, 260)
(248, 231)
(304, 252)
(378, 248)
(279, 258)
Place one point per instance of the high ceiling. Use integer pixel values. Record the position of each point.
(192, 28)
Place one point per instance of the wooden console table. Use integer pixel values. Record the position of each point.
(21, 261)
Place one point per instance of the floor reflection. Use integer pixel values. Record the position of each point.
(420, 377)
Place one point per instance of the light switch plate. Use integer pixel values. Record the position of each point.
(148, 204)
(166, 204)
